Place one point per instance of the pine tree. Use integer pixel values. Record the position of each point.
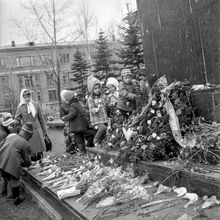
(102, 58)
(80, 69)
(132, 50)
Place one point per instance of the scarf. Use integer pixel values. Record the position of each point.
(30, 106)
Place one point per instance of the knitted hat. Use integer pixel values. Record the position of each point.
(28, 127)
(91, 82)
(126, 72)
(7, 120)
(112, 81)
(67, 95)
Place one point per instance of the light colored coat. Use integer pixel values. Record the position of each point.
(22, 116)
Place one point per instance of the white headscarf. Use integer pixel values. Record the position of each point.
(30, 106)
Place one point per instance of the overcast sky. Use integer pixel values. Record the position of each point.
(104, 10)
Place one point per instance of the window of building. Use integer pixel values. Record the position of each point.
(31, 81)
(2, 62)
(25, 61)
(5, 84)
(64, 58)
(46, 59)
(52, 95)
(20, 81)
(65, 76)
(36, 78)
(28, 81)
(50, 79)
(7, 101)
(38, 96)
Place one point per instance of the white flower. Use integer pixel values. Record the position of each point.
(158, 138)
(153, 103)
(149, 122)
(154, 135)
(152, 111)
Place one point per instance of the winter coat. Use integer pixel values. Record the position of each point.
(64, 109)
(4, 132)
(113, 97)
(22, 116)
(98, 109)
(14, 154)
(76, 117)
(127, 96)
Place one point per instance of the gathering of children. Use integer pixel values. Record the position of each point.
(101, 107)
(22, 139)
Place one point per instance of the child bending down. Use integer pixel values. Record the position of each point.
(97, 103)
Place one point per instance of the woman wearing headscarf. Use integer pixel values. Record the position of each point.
(30, 111)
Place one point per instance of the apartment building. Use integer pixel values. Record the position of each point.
(30, 66)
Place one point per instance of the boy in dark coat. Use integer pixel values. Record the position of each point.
(14, 154)
(78, 123)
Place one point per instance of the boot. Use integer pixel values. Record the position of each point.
(16, 196)
(82, 148)
(3, 187)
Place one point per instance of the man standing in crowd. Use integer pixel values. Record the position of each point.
(14, 154)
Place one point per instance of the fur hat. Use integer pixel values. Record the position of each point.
(112, 81)
(126, 72)
(7, 120)
(67, 95)
(28, 127)
(91, 82)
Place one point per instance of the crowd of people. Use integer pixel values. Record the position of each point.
(21, 144)
(22, 137)
(87, 123)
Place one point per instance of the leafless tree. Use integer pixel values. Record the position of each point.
(49, 21)
(86, 20)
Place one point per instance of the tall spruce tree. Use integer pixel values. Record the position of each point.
(80, 69)
(102, 59)
(131, 51)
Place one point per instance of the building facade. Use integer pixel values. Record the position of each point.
(31, 66)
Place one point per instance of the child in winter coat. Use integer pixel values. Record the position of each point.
(78, 123)
(127, 94)
(69, 137)
(97, 103)
(112, 85)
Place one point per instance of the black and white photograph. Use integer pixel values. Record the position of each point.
(109, 109)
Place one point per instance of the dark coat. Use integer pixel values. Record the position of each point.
(76, 117)
(64, 109)
(4, 132)
(127, 95)
(14, 154)
(22, 116)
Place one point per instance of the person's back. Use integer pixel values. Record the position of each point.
(12, 150)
